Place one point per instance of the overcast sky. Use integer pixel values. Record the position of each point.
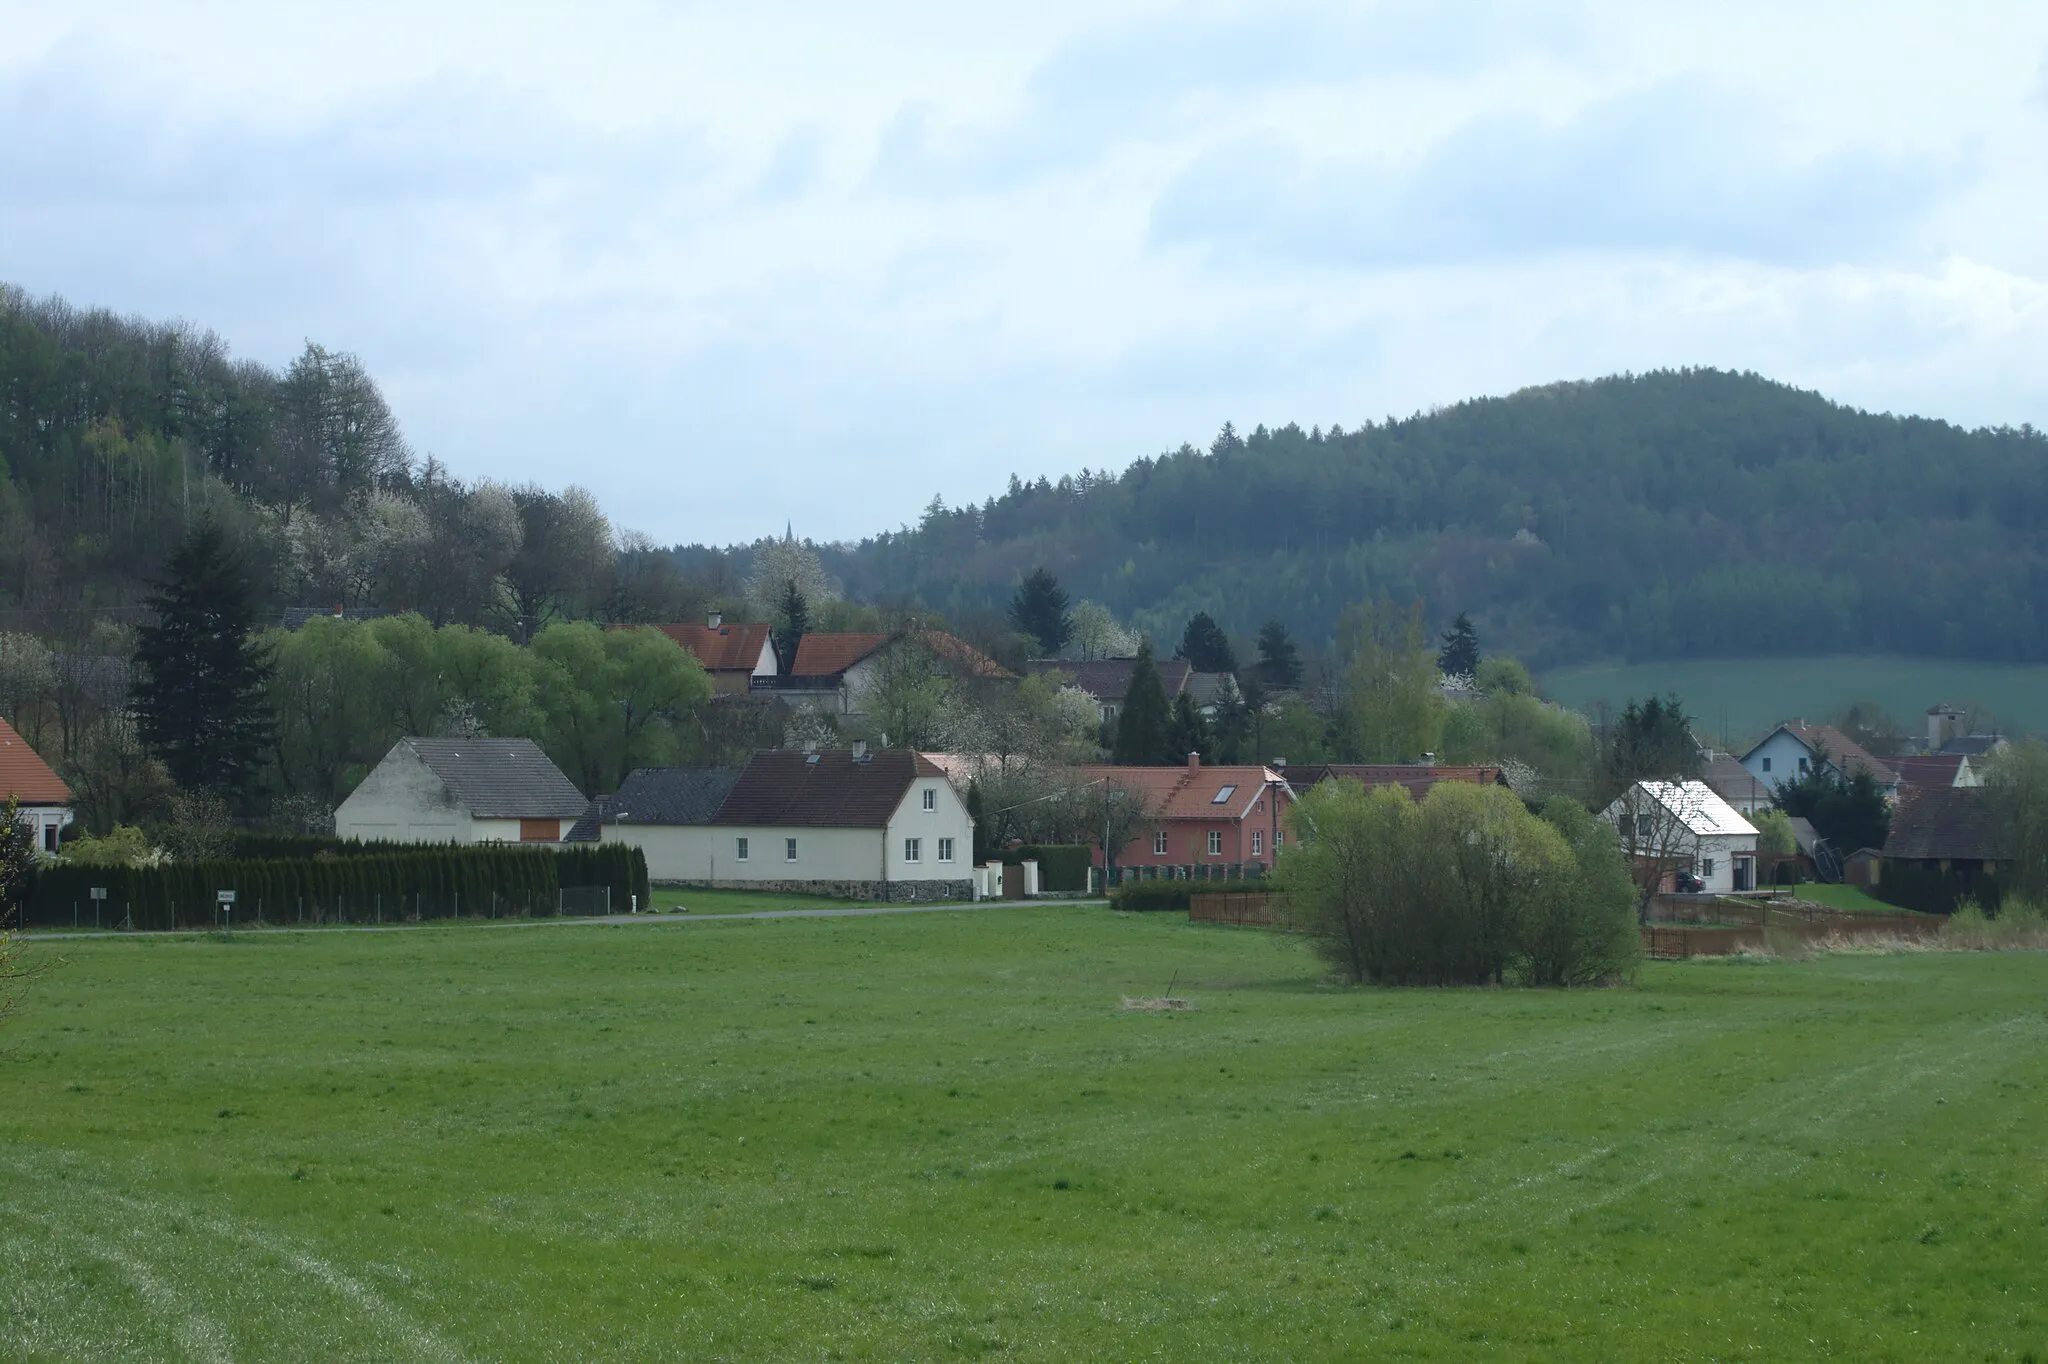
(739, 264)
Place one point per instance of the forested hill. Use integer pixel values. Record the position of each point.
(117, 433)
(1675, 514)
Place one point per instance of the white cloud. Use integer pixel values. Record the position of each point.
(735, 265)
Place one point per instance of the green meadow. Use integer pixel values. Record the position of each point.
(1742, 699)
(941, 1136)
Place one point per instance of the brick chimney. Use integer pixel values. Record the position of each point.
(1194, 761)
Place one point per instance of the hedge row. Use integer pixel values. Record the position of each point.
(1936, 892)
(417, 883)
(1174, 895)
(1061, 866)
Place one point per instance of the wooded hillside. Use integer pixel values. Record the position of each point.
(1676, 514)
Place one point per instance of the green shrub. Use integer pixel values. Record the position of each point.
(1061, 866)
(1149, 895)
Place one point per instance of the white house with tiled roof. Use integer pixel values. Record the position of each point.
(42, 800)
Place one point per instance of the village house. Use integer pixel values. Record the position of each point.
(42, 800)
(1743, 789)
(848, 822)
(736, 657)
(1791, 751)
(1948, 731)
(1201, 821)
(1688, 829)
(462, 791)
(1919, 771)
(1108, 680)
(838, 672)
(1944, 836)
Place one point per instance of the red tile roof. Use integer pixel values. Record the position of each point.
(729, 648)
(1413, 777)
(827, 790)
(828, 655)
(1190, 793)
(1937, 770)
(1844, 754)
(25, 776)
(1107, 679)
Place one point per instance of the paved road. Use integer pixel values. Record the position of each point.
(614, 920)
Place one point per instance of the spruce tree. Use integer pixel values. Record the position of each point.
(795, 613)
(1142, 738)
(1206, 648)
(200, 701)
(1279, 660)
(1039, 609)
(1460, 654)
(1189, 732)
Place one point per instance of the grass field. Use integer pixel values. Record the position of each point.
(938, 1136)
(1745, 697)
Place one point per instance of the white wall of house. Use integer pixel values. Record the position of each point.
(1714, 863)
(1779, 759)
(710, 852)
(947, 819)
(45, 824)
(402, 801)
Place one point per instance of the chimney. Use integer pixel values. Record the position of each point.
(1194, 761)
(717, 618)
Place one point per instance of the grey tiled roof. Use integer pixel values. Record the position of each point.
(501, 778)
(672, 795)
(1953, 822)
(830, 790)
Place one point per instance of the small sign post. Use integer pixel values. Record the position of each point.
(98, 894)
(227, 907)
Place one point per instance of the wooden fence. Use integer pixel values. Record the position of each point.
(1245, 908)
(1673, 942)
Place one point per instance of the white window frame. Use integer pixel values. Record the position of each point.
(1215, 843)
(931, 799)
(1706, 869)
(740, 849)
(1258, 843)
(1159, 842)
(913, 850)
(945, 850)
(789, 850)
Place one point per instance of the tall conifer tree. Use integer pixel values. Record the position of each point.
(1142, 729)
(200, 692)
(1039, 609)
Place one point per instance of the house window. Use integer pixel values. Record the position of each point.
(739, 848)
(1258, 807)
(931, 798)
(945, 850)
(1258, 843)
(1221, 796)
(1802, 767)
(1215, 843)
(913, 849)
(789, 850)
(1645, 826)
(1706, 867)
(49, 838)
(1767, 764)
(1159, 843)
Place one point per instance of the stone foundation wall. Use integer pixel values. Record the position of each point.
(886, 892)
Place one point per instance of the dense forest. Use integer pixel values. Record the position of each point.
(1693, 513)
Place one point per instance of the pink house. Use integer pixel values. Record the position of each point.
(1213, 817)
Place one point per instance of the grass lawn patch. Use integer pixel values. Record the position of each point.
(939, 1136)
(1854, 899)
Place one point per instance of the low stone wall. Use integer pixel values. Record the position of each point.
(886, 892)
